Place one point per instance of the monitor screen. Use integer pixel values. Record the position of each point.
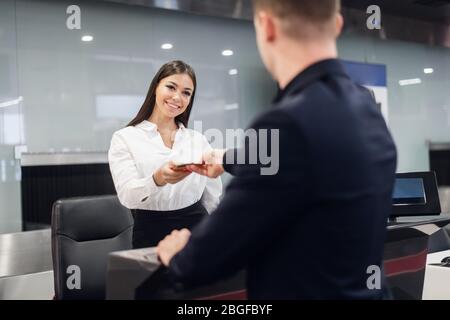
(415, 194)
(408, 191)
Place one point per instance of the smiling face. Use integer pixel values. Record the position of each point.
(173, 95)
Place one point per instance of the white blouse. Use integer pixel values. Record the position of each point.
(136, 152)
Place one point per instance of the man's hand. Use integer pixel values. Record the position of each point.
(169, 173)
(212, 164)
(172, 244)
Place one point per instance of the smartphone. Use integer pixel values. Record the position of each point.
(183, 165)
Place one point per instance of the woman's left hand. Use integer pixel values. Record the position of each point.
(171, 174)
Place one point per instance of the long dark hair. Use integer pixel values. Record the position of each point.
(168, 69)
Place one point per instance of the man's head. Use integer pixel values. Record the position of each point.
(296, 21)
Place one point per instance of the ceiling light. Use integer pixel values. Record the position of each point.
(227, 53)
(428, 70)
(408, 82)
(167, 46)
(232, 106)
(87, 38)
(232, 72)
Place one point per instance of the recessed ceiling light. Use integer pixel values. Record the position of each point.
(227, 53)
(87, 38)
(232, 106)
(232, 72)
(428, 70)
(408, 82)
(167, 46)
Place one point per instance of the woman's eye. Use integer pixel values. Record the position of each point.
(170, 87)
(187, 93)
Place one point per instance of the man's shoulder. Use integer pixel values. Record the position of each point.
(326, 92)
(286, 111)
(334, 97)
(322, 98)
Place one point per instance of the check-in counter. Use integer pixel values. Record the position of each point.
(415, 216)
(26, 266)
(405, 256)
(137, 274)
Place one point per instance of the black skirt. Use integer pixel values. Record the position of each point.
(150, 226)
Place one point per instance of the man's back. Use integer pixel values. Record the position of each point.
(343, 158)
(312, 229)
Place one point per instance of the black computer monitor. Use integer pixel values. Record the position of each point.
(415, 194)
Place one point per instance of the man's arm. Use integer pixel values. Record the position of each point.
(218, 161)
(254, 213)
(213, 165)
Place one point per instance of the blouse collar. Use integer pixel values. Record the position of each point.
(150, 126)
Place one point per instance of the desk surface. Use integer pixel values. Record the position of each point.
(25, 253)
(436, 257)
(437, 279)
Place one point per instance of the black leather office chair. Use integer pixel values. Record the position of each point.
(84, 231)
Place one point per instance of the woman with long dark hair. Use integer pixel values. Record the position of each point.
(144, 159)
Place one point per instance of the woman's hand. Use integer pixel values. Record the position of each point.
(212, 164)
(169, 173)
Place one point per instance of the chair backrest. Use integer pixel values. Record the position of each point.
(84, 231)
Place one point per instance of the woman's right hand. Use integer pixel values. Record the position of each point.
(169, 173)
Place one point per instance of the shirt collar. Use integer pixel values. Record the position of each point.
(311, 74)
(147, 126)
(151, 127)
